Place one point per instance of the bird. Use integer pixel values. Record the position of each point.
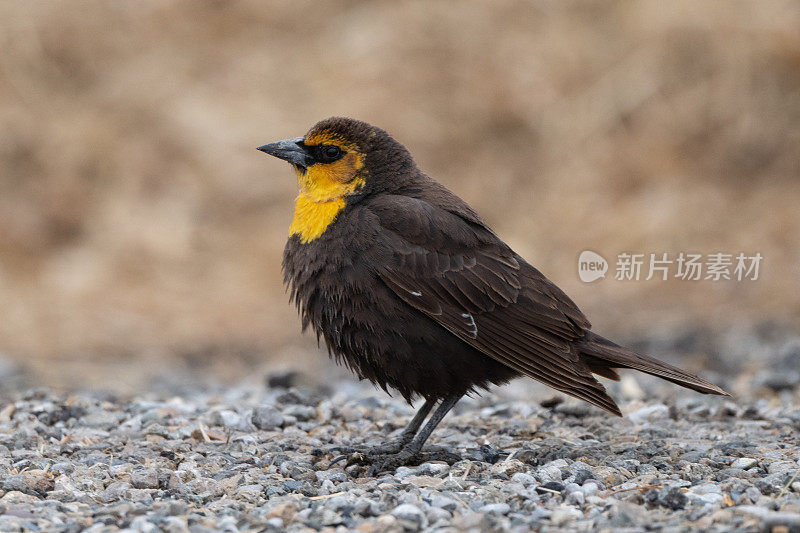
(410, 289)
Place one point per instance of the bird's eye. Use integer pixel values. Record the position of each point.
(329, 153)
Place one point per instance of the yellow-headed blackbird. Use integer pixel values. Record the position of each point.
(411, 290)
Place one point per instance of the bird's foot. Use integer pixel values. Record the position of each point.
(346, 452)
(389, 462)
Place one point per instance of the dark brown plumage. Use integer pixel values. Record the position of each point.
(410, 289)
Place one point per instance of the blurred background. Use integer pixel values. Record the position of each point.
(141, 232)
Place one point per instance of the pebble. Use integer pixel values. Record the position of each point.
(576, 498)
(590, 488)
(508, 467)
(706, 488)
(561, 516)
(145, 478)
(443, 502)
(773, 520)
(650, 413)
(550, 487)
(549, 473)
(781, 466)
(410, 515)
(673, 498)
(436, 515)
(116, 490)
(496, 508)
(523, 478)
(267, 418)
(744, 463)
(227, 418)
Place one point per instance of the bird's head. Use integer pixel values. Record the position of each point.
(341, 157)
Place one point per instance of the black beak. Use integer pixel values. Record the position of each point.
(291, 150)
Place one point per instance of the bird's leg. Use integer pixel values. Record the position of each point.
(394, 445)
(420, 438)
(413, 449)
(408, 433)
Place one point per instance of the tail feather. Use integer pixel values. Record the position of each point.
(603, 356)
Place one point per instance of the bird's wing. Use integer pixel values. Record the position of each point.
(461, 275)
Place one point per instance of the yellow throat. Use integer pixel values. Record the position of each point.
(311, 218)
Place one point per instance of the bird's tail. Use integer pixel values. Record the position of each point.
(603, 357)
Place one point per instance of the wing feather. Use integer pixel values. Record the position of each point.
(462, 276)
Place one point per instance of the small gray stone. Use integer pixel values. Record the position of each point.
(443, 502)
(709, 498)
(524, 478)
(404, 472)
(706, 488)
(267, 418)
(144, 478)
(561, 516)
(781, 466)
(366, 507)
(744, 463)
(549, 473)
(410, 514)
(102, 419)
(772, 519)
(276, 524)
(142, 524)
(509, 467)
(650, 413)
(117, 490)
(433, 469)
(694, 456)
(14, 482)
(673, 498)
(551, 487)
(324, 517)
(627, 514)
(753, 494)
(140, 494)
(302, 413)
(227, 418)
(496, 508)
(436, 514)
(577, 498)
(558, 463)
(175, 524)
(590, 488)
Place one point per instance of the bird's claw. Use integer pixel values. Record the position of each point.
(345, 452)
(391, 461)
(386, 457)
(339, 459)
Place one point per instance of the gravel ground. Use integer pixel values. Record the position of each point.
(252, 458)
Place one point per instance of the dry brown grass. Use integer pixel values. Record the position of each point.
(138, 221)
